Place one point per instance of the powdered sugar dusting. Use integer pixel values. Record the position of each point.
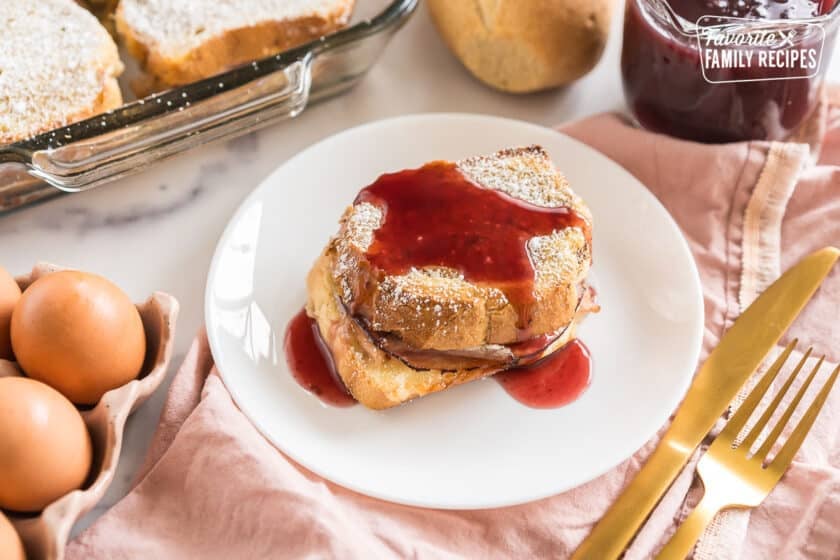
(523, 173)
(55, 59)
(361, 223)
(433, 291)
(561, 258)
(175, 27)
(431, 300)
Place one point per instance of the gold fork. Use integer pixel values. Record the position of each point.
(732, 476)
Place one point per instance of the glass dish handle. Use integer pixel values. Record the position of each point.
(84, 164)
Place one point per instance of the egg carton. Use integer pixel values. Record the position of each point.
(45, 535)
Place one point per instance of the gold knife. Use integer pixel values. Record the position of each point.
(737, 356)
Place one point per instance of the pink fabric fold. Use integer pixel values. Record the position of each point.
(213, 487)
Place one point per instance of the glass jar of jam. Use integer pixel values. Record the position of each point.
(726, 70)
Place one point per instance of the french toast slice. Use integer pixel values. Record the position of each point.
(58, 65)
(180, 41)
(394, 338)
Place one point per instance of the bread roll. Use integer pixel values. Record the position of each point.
(524, 45)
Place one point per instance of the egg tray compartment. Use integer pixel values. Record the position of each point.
(45, 535)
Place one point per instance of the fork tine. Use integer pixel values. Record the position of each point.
(733, 427)
(792, 445)
(780, 425)
(750, 438)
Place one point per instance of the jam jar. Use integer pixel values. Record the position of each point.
(726, 70)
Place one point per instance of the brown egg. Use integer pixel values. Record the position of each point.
(9, 296)
(45, 448)
(10, 546)
(78, 333)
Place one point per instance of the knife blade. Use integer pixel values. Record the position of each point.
(740, 351)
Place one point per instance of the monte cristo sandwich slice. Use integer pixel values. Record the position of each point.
(452, 272)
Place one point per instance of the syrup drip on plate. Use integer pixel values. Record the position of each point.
(311, 362)
(436, 216)
(554, 381)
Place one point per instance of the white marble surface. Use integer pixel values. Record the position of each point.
(158, 230)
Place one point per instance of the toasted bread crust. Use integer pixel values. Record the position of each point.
(59, 66)
(375, 378)
(436, 308)
(169, 62)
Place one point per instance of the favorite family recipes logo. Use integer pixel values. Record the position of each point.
(742, 50)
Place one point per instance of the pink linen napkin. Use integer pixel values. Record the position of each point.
(213, 487)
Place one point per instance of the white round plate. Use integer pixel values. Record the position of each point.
(472, 446)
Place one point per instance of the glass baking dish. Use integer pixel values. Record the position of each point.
(106, 147)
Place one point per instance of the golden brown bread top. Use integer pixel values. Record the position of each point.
(435, 307)
(375, 378)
